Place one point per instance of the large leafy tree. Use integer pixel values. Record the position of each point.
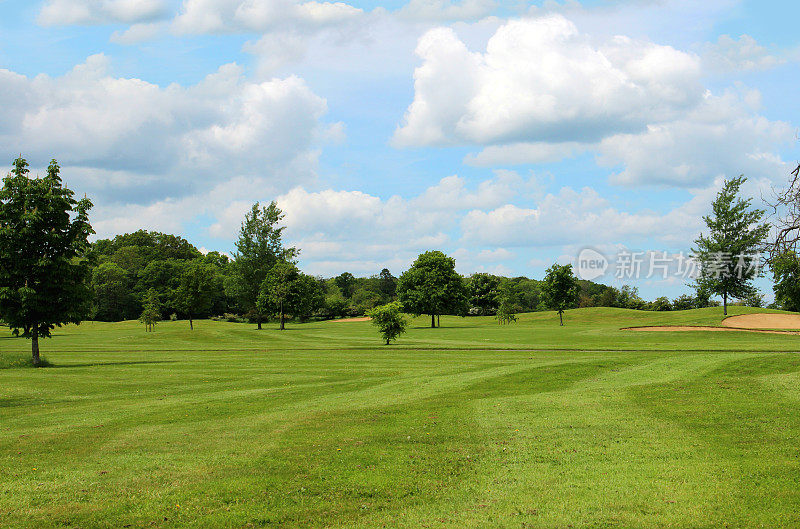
(730, 256)
(44, 272)
(199, 283)
(286, 290)
(258, 248)
(432, 286)
(560, 289)
(347, 283)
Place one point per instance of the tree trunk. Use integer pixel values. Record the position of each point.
(433, 321)
(438, 323)
(35, 346)
(282, 326)
(259, 323)
(561, 318)
(725, 304)
(387, 341)
(191, 327)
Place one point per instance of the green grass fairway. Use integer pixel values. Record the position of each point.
(474, 424)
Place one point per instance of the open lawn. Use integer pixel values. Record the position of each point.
(470, 425)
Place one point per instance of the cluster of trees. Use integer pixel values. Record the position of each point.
(51, 275)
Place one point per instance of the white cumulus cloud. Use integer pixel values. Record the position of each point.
(542, 80)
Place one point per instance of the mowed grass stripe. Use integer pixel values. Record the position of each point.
(401, 437)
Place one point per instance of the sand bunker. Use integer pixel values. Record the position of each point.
(667, 328)
(348, 320)
(763, 321)
(743, 323)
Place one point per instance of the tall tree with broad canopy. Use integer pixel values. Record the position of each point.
(432, 286)
(258, 248)
(730, 256)
(199, 283)
(44, 271)
(347, 284)
(560, 289)
(286, 290)
(389, 319)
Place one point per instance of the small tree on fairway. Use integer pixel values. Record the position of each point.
(432, 286)
(505, 312)
(258, 248)
(389, 319)
(151, 313)
(44, 235)
(730, 256)
(198, 285)
(506, 308)
(279, 290)
(560, 289)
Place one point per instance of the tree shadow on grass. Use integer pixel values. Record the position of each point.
(98, 364)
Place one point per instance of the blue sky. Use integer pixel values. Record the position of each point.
(509, 134)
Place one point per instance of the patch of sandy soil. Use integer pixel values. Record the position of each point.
(667, 328)
(348, 320)
(763, 321)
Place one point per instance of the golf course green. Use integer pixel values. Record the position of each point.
(474, 424)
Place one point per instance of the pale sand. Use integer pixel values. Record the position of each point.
(745, 323)
(763, 321)
(348, 320)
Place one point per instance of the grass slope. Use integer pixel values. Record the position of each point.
(470, 425)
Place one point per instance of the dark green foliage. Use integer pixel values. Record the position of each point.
(560, 289)
(730, 255)
(387, 284)
(660, 304)
(483, 291)
(44, 243)
(684, 302)
(346, 283)
(389, 319)
(151, 260)
(197, 287)
(786, 273)
(285, 290)
(506, 308)
(113, 297)
(754, 299)
(258, 248)
(432, 286)
(148, 246)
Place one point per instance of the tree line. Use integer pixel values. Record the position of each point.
(50, 274)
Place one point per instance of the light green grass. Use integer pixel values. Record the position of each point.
(470, 425)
